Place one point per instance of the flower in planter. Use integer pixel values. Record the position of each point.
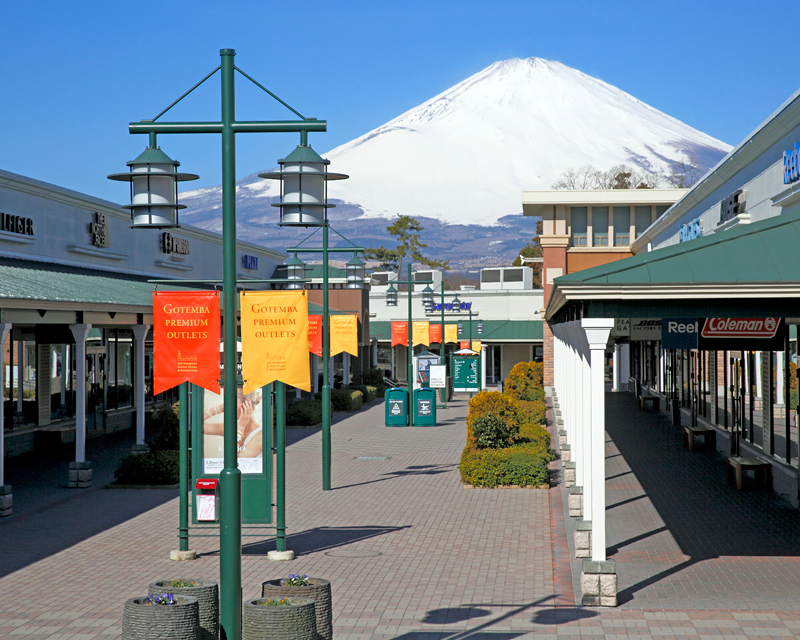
(181, 583)
(269, 602)
(167, 598)
(295, 580)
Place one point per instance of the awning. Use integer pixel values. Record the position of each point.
(751, 270)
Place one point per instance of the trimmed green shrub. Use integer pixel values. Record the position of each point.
(523, 379)
(153, 467)
(369, 392)
(491, 432)
(522, 464)
(166, 424)
(346, 399)
(304, 413)
(534, 411)
(497, 404)
(374, 378)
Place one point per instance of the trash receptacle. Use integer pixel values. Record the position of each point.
(425, 407)
(397, 407)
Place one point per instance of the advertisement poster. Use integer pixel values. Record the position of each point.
(315, 335)
(186, 332)
(249, 439)
(400, 333)
(275, 339)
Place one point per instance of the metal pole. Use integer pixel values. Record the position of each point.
(183, 448)
(410, 354)
(326, 356)
(266, 421)
(230, 478)
(444, 355)
(280, 464)
(470, 342)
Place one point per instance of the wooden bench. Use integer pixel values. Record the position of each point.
(709, 437)
(761, 470)
(654, 401)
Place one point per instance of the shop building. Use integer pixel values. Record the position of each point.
(76, 311)
(709, 304)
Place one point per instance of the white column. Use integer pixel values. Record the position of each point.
(5, 327)
(597, 332)
(80, 332)
(483, 367)
(575, 400)
(20, 373)
(616, 367)
(780, 358)
(64, 370)
(586, 419)
(759, 355)
(374, 353)
(139, 335)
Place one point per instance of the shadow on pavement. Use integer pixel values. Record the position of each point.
(320, 539)
(707, 518)
(414, 470)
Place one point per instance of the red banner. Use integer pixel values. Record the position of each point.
(186, 335)
(400, 333)
(315, 335)
(435, 333)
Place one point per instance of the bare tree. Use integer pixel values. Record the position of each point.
(620, 176)
(685, 172)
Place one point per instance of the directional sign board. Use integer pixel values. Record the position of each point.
(466, 373)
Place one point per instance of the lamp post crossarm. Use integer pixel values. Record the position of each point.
(246, 281)
(329, 249)
(266, 126)
(187, 93)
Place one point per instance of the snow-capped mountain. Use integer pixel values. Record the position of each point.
(465, 156)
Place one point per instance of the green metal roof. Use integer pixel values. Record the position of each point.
(751, 268)
(493, 330)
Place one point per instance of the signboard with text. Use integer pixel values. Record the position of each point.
(466, 373)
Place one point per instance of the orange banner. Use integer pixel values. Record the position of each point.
(451, 333)
(186, 334)
(400, 333)
(344, 334)
(420, 333)
(315, 335)
(435, 333)
(476, 345)
(275, 339)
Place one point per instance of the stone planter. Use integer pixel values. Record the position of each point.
(207, 594)
(295, 621)
(319, 591)
(179, 621)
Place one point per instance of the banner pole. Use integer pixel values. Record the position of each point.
(280, 481)
(326, 356)
(183, 446)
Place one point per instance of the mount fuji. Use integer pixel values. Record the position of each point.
(461, 160)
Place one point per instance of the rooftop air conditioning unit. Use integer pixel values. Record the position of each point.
(380, 280)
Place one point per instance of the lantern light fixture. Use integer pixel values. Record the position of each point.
(154, 182)
(480, 328)
(427, 298)
(355, 273)
(456, 306)
(391, 296)
(304, 188)
(460, 328)
(295, 270)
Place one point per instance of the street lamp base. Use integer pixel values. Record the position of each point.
(179, 556)
(280, 556)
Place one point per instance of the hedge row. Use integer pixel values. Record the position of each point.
(525, 380)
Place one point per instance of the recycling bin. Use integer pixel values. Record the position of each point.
(397, 407)
(425, 407)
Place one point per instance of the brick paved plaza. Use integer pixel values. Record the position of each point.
(412, 554)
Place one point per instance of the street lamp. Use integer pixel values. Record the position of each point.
(355, 280)
(391, 296)
(295, 273)
(152, 206)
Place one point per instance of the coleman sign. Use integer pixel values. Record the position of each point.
(747, 334)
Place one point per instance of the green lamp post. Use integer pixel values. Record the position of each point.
(154, 205)
(355, 280)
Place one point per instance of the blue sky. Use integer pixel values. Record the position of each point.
(74, 74)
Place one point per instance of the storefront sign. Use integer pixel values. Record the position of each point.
(622, 328)
(16, 224)
(690, 231)
(645, 329)
(344, 335)
(315, 335)
(732, 206)
(100, 231)
(249, 262)
(791, 164)
(464, 306)
(275, 339)
(171, 244)
(186, 333)
(399, 333)
(746, 334)
(679, 333)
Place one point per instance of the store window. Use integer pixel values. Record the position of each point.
(578, 225)
(120, 368)
(622, 226)
(599, 226)
(642, 219)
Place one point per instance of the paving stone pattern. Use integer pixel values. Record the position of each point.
(412, 554)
